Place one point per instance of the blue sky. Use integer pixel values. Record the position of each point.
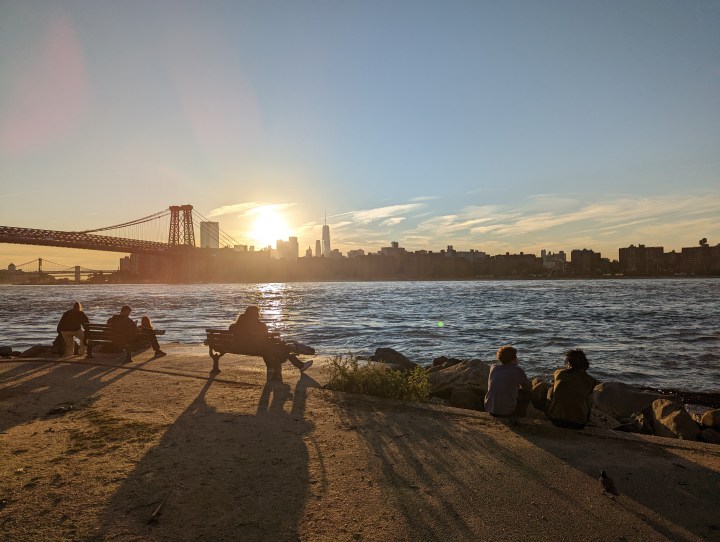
(499, 126)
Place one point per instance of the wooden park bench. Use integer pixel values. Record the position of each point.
(101, 334)
(223, 341)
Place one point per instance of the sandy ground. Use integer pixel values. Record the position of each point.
(162, 450)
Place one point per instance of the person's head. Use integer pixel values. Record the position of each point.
(125, 310)
(506, 355)
(253, 310)
(77, 306)
(576, 359)
(145, 322)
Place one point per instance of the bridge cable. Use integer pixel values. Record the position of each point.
(148, 218)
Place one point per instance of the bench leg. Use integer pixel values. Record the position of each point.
(88, 352)
(216, 360)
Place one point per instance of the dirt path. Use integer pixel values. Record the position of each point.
(161, 450)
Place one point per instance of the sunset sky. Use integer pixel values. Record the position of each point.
(500, 126)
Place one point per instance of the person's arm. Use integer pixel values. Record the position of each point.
(62, 321)
(83, 319)
(525, 382)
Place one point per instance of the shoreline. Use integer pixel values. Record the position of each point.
(703, 398)
(478, 279)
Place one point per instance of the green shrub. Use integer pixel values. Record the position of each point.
(347, 374)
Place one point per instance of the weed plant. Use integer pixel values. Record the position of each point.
(348, 375)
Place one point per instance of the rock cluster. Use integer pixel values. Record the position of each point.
(616, 405)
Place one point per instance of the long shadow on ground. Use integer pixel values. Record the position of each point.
(662, 488)
(218, 475)
(22, 382)
(474, 478)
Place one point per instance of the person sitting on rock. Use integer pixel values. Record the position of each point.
(70, 326)
(508, 386)
(570, 399)
(254, 334)
(126, 334)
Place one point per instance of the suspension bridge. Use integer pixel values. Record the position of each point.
(39, 267)
(162, 233)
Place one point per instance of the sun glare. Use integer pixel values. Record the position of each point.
(269, 226)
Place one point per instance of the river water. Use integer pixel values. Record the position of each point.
(661, 333)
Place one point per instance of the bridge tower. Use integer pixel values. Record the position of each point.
(181, 226)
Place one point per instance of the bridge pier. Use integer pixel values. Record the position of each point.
(77, 273)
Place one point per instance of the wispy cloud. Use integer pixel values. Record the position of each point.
(552, 219)
(248, 208)
(389, 211)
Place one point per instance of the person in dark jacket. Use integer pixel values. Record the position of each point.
(126, 333)
(252, 332)
(570, 399)
(70, 326)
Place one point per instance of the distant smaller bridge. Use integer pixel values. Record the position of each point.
(40, 267)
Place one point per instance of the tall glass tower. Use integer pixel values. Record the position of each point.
(326, 239)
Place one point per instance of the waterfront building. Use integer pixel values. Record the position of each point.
(209, 234)
(287, 250)
(393, 250)
(318, 250)
(642, 260)
(308, 252)
(553, 261)
(700, 260)
(355, 253)
(586, 262)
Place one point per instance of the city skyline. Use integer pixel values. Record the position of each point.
(508, 128)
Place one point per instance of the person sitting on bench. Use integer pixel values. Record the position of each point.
(251, 331)
(127, 335)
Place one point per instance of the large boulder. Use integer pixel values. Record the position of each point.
(392, 357)
(670, 419)
(443, 362)
(602, 420)
(472, 398)
(37, 351)
(640, 422)
(539, 392)
(464, 384)
(711, 419)
(6, 351)
(471, 374)
(621, 400)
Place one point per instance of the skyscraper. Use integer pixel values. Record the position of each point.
(210, 234)
(318, 250)
(326, 239)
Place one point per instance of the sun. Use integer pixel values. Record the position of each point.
(268, 227)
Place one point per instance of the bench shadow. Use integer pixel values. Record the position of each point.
(220, 475)
(29, 390)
